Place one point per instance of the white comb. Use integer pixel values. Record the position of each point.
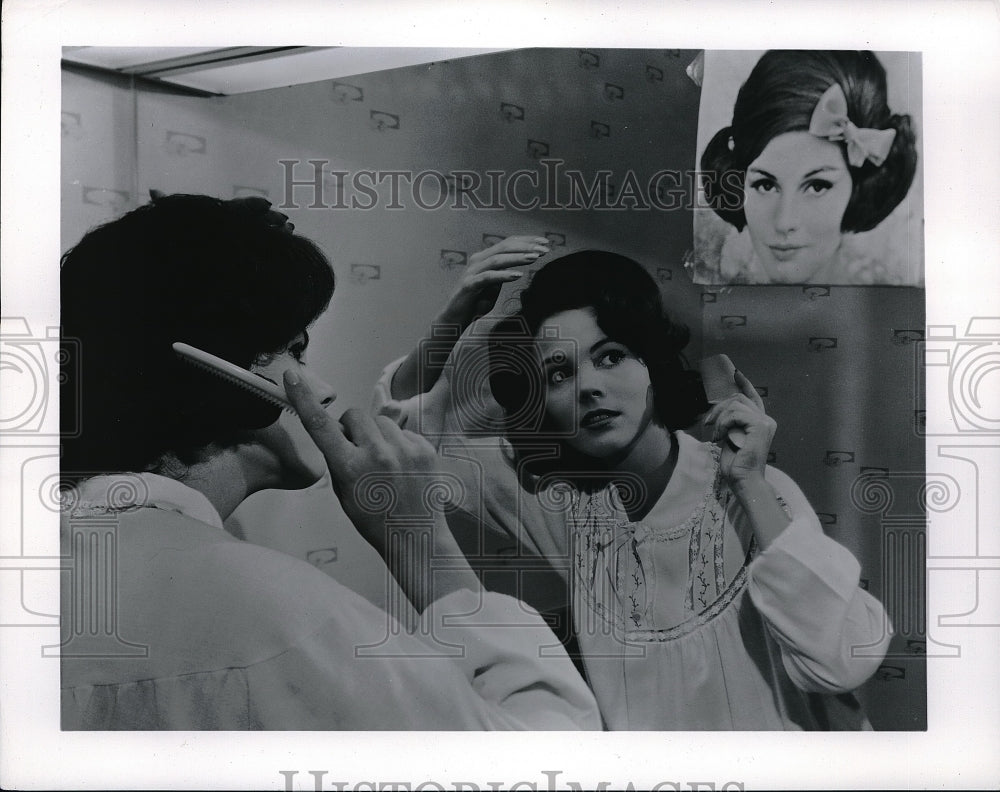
(240, 377)
(717, 375)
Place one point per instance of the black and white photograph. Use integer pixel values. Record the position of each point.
(810, 169)
(382, 396)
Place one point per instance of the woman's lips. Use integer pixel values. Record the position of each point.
(596, 419)
(785, 252)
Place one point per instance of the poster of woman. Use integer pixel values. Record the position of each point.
(809, 169)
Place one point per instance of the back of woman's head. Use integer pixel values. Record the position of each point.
(228, 277)
(627, 305)
(780, 96)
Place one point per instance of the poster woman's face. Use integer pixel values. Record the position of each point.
(795, 195)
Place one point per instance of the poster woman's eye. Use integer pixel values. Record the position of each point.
(818, 186)
(763, 186)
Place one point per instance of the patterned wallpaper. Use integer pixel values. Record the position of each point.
(835, 366)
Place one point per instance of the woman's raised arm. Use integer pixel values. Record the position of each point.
(475, 296)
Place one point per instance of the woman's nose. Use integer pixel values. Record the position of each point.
(589, 380)
(320, 387)
(786, 213)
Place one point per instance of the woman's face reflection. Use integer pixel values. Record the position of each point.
(598, 393)
(795, 195)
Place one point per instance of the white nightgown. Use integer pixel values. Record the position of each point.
(171, 623)
(681, 621)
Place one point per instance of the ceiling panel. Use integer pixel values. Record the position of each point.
(234, 70)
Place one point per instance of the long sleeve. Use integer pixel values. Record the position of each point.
(833, 635)
(475, 663)
(241, 637)
(459, 403)
(402, 411)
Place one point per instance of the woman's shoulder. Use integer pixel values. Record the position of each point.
(268, 586)
(201, 599)
(696, 458)
(195, 565)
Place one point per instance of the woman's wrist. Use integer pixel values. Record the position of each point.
(422, 367)
(454, 315)
(427, 562)
(751, 484)
(760, 503)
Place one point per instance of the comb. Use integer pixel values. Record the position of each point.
(256, 384)
(717, 374)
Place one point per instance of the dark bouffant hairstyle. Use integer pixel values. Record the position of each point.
(780, 96)
(628, 307)
(229, 277)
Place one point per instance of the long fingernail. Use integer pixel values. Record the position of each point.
(292, 377)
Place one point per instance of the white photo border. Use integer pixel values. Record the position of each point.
(961, 67)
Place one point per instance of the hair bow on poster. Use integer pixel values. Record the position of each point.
(829, 120)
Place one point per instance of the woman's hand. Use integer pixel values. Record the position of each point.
(742, 411)
(388, 480)
(743, 467)
(486, 272)
(476, 294)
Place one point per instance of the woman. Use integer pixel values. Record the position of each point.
(209, 632)
(813, 158)
(704, 592)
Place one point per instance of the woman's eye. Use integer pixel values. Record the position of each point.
(611, 358)
(763, 185)
(818, 186)
(298, 352)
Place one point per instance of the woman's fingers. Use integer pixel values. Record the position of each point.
(509, 252)
(391, 432)
(712, 415)
(487, 271)
(493, 277)
(740, 412)
(748, 390)
(501, 261)
(360, 428)
(750, 433)
(518, 244)
(414, 451)
(321, 426)
(419, 442)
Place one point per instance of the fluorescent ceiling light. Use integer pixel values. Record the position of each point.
(232, 70)
(120, 58)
